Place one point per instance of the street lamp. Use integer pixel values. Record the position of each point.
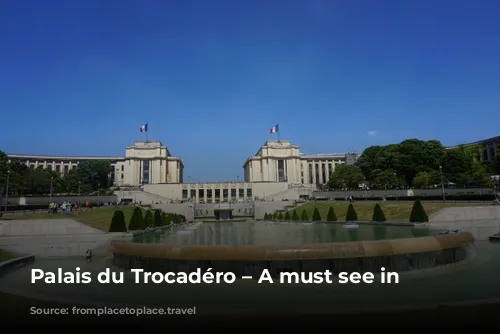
(7, 190)
(50, 196)
(442, 183)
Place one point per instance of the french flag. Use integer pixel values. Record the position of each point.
(274, 129)
(144, 128)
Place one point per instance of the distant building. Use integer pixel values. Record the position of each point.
(277, 167)
(491, 147)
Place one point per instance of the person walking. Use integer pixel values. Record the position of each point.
(63, 208)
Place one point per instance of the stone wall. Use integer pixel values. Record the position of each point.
(61, 199)
(402, 192)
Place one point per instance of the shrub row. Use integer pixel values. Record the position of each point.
(417, 215)
(138, 221)
(471, 197)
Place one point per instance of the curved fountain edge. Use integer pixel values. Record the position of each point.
(337, 250)
(21, 260)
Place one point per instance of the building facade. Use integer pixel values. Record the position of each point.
(281, 161)
(278, 170)
(145, 162)
(491, 147)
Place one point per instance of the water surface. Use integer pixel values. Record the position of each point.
(272, 233)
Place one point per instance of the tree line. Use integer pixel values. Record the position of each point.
(415, 163)
(89, 176)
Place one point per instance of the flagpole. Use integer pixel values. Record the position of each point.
(279, 138)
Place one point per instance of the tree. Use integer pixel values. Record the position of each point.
(164, 219)
(136, 221)
(295, 215)
(287, 216)
(157, 218)
(331, 216)
(351, 214)
(305, 216)
(280, 216)
(421, 180)
(378, 214)
(383, 179)
(316, 215)
(346, 176)
(418, 214)
(149, 219)
(118, 222)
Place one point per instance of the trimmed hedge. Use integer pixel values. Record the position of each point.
(351, 215)
(316, 215)
(418, 214)
(136, 221)
(118, 222)
(378, 214)
(331, 216)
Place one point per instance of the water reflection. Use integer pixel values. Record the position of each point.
(275, 233)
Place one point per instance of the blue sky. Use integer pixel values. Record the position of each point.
(211, 77)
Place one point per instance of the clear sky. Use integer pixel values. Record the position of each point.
(211, 77)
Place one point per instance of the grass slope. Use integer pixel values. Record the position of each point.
(393, 211)
(97, 218)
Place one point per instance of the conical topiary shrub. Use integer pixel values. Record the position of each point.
(331, 216)
(148, 219)
(316, 216)
(136, 221)
(280, 216)
(275, 216)
(265, 216)
(164, 219)
(287, 216)
(118, 222)
(295, 215)
(157, 218)
(418, 214)
(351, 215)
(304, 216)
(378, 214)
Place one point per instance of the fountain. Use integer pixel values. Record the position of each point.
(434, 268)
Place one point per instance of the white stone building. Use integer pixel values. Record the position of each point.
(278, 170)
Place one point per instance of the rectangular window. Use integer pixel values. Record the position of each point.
(310, 174)
(66, 169)
(323, 172)
(209, 193)
(281, 171)
(184, 194)
(123, 168)
(249, 193)
(58, 168)
(233, 193)
(217, 194)
(201, 193)
(32, 166)
(145, 171)
(224, 193)
(241, 193)
(193, 193)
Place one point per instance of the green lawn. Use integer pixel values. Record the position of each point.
(393, 211)
(98, 218)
